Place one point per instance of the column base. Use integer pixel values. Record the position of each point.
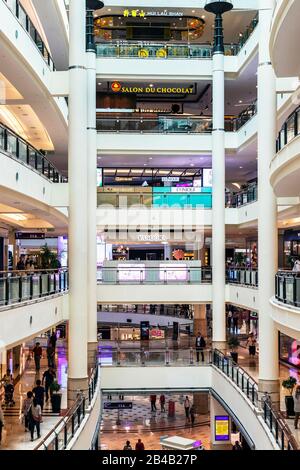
(76, 386)
(220, 345)
(201, 403)
(272, 388)
(92, 349)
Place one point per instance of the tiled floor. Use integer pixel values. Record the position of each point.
(14, 437)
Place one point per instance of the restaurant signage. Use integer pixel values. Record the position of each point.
(117, 87)
(140, 13)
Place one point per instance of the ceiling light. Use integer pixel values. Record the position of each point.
(192, 164)
(241, 167)
(151, 85)
(109, 9)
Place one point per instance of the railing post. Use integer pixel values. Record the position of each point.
(73, 425)
(56, 442)
(191, 356)
(20, 288)
(31, 286)
(65, 436)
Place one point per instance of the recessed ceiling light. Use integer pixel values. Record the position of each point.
(240, 101)
(193, 11)
(151, 85)
(192, 164)
(150, 158)
(109, 9)
(99, 84)
(203, 16)
(241, 167)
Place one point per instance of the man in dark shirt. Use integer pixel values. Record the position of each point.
(39, 393)
(48, 379)
(200, 345)
(37, 354)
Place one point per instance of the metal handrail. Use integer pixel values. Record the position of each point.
(25, 153)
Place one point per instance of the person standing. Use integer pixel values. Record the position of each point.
(187, 407)
(35, 418)
(25, 409)
(1, 422)
(51, 355)
(235, 321)
(139, 445)
(48, 378)
(53, 340)
(200, 345)
(39, 394)
(296, 396)
(162, 400)
(37, 354)
(229, 320)
(251, 343)
(153, 402)
(237, 446)
(127, 446)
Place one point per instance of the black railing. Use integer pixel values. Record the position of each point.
(22, 286)
(245, 277)
(20, 150)
(287, 287)
(64, 431)
(241, 198)
(20, 13)
(289, 130)
(273, 418)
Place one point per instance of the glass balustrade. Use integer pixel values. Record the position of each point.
(245, 277)
(20, 13)
(287, 288)
(289, 130)
(241, 198)
(20, 286)
(17, 148)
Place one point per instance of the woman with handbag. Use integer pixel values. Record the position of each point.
(35, 418)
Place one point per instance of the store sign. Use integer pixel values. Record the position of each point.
(117, 87)
(169, 179)
(185, 189)
(222, 428)
(118, 405)
(29, 236)
(153, 237)
(140, 13)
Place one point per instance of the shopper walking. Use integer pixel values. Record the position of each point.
(35, 418)
(187, 406)
(127, 446)
(51, 355)
(139, 445)
(1, 422)
(200, 345)
(229, 320)
(25, 409)
(296, 396)
(48, 378)
(37, 354)
(251, 344)
(162, 401)
(153, 402)
(53, 340)
(237, 446)
(39, 394)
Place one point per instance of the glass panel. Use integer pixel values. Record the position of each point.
(290, 128)
(2, 138)
(11, 144)
(44, 284)
(22, 17)
(31, 159)
(22, 151)
(25, 288)
(2, 290)
(13, 290)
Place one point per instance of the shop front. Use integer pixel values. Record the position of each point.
(289, 350)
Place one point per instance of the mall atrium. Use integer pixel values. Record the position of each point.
(149, 225)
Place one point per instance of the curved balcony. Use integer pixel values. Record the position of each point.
(285, 166)
(17, 148)
(24, 20)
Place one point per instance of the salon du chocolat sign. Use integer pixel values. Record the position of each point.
(117, 87)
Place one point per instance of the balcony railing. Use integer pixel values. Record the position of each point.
(248, 386)
(22, 286)
(289, 130)
(241, 198)
(244, 277)
(64, 431)
(172, 124)
(287, 288)
(20, 150)
(20, 13)
(129, 274)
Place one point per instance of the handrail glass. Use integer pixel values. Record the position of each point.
(172, 124)
(290, 129)
(24, 20)
(64, 431)
(249, 387)
(163, 50)
(287, 288)
(22, 151)
(241, 198)
(154, 275)
(22, 286)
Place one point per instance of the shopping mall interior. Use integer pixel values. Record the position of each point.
(149, 225)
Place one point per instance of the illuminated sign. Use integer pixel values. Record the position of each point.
(131, 272)
(185, 189)
(222, 428)
(154, 237)
(167, 179)
(140, 13)
(117, 87)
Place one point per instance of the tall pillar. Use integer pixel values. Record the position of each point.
(200, 323)
(92, 193)
(267, 209)
(77, 164)
(218, 178)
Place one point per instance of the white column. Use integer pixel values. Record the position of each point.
(218, 204)
(91, 207)
(267, 212)
(77, 168)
